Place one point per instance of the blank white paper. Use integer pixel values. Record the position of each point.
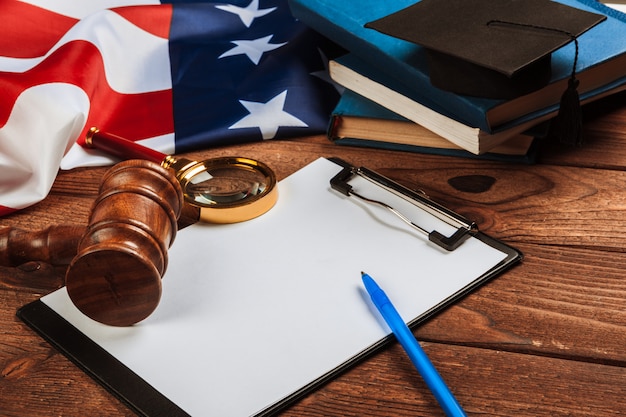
(252, 312)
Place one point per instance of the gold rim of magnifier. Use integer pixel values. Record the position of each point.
(235, 212)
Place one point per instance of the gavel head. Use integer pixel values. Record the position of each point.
(115, 278)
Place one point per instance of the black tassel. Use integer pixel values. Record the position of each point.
(567, 127)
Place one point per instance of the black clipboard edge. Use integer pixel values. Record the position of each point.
(96, 362)
(147, 401)
(513, 257)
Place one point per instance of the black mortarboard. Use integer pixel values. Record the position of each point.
(489, 48)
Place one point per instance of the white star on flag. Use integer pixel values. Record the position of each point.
(247, 14)
(268, 117)
(254, 49)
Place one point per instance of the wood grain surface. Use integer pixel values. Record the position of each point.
(547, 338)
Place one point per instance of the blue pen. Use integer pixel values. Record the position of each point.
(404, 335)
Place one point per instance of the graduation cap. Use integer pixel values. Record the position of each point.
(489, 48)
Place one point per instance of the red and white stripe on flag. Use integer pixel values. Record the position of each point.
(68, 65)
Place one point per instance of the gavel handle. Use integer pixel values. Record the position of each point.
(56, 245)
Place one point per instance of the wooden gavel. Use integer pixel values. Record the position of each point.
(117, 261)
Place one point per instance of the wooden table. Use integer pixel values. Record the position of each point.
(546, 338)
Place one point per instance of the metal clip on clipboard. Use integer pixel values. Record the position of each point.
(464, 228)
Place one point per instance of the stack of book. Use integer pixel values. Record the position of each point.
(390, 101)
(358, 121)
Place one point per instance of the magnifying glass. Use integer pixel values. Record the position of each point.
(225, 189)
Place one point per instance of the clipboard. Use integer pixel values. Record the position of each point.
(256, 315)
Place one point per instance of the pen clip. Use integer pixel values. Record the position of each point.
(464, 227)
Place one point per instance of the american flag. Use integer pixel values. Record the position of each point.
(176, 77)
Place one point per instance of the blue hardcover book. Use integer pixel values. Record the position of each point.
(600, 68)
(357, 121)
(356, 75)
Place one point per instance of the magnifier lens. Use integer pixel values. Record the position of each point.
(225, 185)
(229, 189)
